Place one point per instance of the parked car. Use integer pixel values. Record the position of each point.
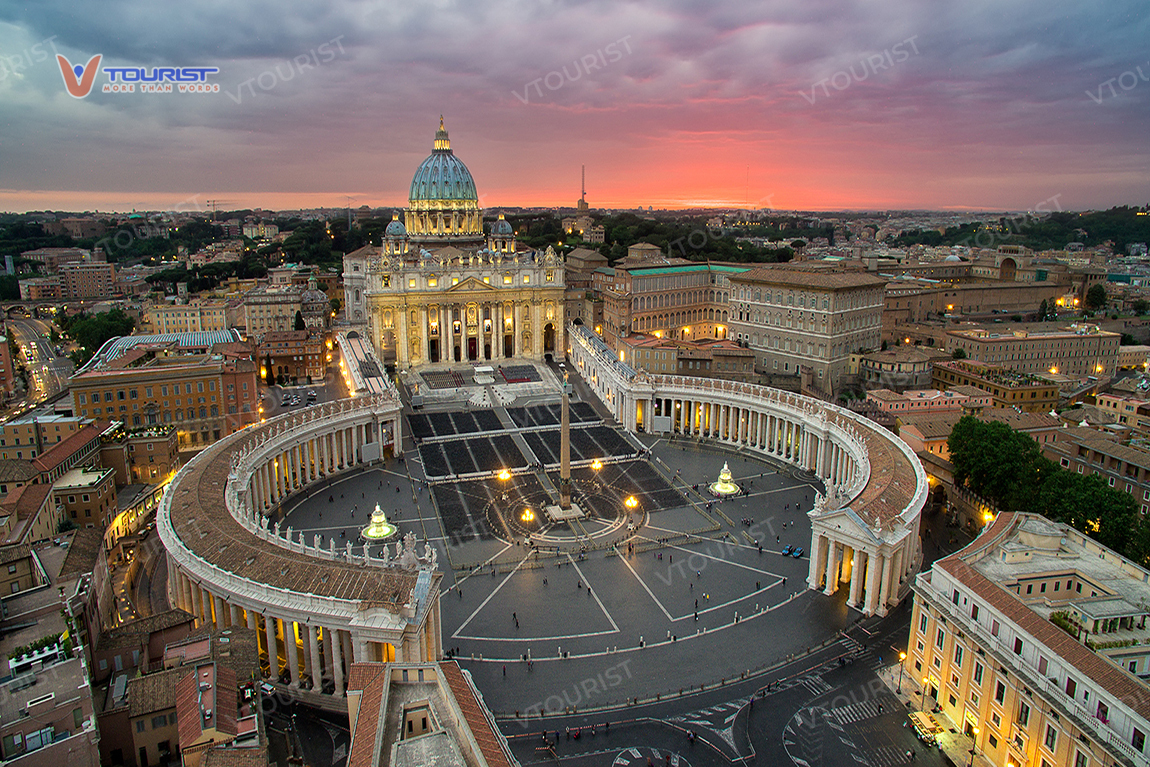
(786, 549)
(798, 552)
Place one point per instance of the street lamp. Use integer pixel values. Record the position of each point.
(631, 502)
(901, 664)
(973, 744)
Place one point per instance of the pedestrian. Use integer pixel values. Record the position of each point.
(778, 539)
(544, 581)
(505, 674)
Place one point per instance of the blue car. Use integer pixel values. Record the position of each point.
(798, 552)
(786, 549)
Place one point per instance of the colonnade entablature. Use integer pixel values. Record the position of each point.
(864, 521)
(317, 606)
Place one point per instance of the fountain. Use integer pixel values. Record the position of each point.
(379, 529)
(724, 486)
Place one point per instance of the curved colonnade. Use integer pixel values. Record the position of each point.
(317, 608)
(864, 529)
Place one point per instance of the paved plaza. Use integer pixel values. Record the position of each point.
(630, 602)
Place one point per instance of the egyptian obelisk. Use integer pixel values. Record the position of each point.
(565, 451)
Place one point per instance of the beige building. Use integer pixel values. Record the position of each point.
(708, 358)
(87, 496)
(1033, 639)
(1008, 387)
(187, 318)
(794, 318)
(271, 308)
(87, 279)
(1080, 350)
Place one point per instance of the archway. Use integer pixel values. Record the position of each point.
(548, 338)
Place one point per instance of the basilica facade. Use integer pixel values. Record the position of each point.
(440, 290)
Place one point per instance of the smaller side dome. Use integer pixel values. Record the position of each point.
(395, 228)
(502, 228)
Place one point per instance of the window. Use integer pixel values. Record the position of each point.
(11, 569)
(999, 692)
(141, 725)
(1081, 759)
(994, 628)
(954, 597)
(974, 612)
(1017, 646)
(1139, 740)
(940, 638)
(159, 721)
(1071, 687)
(958, 655)
(1023, 715)
(922, 623)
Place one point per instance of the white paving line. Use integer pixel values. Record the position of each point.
(494, 591)
(594, 593)
(486, 562)
(646, 588)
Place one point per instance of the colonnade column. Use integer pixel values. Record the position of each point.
(292, 651)
(873, 573)
(316, 668)
(832, 568)
(856, 577)
(337, 661)
(273, 651)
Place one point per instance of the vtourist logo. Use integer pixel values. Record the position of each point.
(79, 79)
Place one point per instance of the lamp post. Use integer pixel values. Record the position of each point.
(973, 744)
(901, 665)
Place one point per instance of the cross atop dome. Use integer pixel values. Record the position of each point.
(442, 143)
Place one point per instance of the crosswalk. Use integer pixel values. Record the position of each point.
(856, 712)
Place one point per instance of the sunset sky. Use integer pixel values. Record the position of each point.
(792, 104)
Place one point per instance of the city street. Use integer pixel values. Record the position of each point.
(47, 373)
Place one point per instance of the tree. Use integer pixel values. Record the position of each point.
(958, 354)
(1096, 297)
(995, 461)
(269, 377)
(1140, 306)
(335, 304)
(883, 347)
(299, 323)
(1043, 310)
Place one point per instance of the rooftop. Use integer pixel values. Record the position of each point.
(801, 278)
(82, 477)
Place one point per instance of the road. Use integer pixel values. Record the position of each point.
(47, 373)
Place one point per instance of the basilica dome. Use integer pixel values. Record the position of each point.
(442, 176)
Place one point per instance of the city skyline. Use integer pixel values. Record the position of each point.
(669, 105)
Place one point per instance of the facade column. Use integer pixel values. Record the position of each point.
(273, 651)
(337, 661)
(251, 616)
(885, 579)
(186, 590)
(292, 651)
(856, 577)
(818, 561)
(873, 572)
(832, 569)
(221, 620)
(359, 647)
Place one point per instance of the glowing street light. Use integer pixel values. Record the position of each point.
(901, 668)
(596, 464)
(505, 475)
(631, 502)
(527, 516)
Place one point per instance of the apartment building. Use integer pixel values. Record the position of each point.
(1092, 452)
(794, 318)
(1033, 639)
(678, 299)
(203, 396)
(271, 308)
(1128, 410)
(87, 279)
(87, 495)
(1008, 387)
(189, 317)
(712, 358)
(296, 354)
(1080, 350)
(33, 433)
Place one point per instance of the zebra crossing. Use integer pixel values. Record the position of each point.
(856, 712)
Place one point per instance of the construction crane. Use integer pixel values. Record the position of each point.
(215, 206)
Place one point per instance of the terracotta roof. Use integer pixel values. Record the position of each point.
(14, 553)
(478, 721)
(62, 451)
(931, 425)
(205, 526)
(151, 693)
(371, 679)
(17, 470)
(1114, 680)
(187, 698)
(86, 545)
(26, 500)
(234, 757)
(799, 278)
